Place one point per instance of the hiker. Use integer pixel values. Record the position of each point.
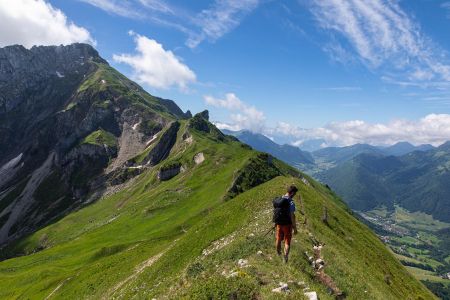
(284, 219)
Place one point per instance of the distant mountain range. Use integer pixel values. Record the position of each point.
(414, 177)
(417, 181)
(287, 153)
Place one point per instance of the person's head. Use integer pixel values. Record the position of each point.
(292, 190)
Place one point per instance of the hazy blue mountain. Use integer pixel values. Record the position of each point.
(289, 154)
(337, 155)
(402, 148)
(417, 181)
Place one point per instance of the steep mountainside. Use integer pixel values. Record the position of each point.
(181, 209)
(417, 181)
(287, 153)
(65, 116)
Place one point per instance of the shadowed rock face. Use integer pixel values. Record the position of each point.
(165, 144)
(67, 117)
(166, 174)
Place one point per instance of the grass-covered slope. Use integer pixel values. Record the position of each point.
(151, 239)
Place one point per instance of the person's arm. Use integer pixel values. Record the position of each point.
(294, 224)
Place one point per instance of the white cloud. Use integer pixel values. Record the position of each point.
(155, 66)
(243, 116)
(36, 22)
(384, 37)
(219, 19)
(431, 129)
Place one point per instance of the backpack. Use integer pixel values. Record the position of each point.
(281, 211)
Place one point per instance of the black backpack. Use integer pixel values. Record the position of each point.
(281, 211)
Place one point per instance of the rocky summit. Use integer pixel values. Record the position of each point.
(108, 192)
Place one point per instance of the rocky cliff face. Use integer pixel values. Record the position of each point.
(67, 121)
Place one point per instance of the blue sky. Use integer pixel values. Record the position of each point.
(375, 71)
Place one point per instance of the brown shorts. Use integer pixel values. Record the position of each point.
(284, 232)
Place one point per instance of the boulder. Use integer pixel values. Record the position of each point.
(242, 263)
(311, 296)
(199, 158)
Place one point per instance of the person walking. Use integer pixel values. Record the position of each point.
(284, 219)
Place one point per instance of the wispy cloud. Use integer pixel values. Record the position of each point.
(209, 24)
(219, 19)
(243, 116)
(158, 5)
(384, 37)
(446, 7)
(117, 7)
(155, 66)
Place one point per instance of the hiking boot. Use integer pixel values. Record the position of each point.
(285, 257)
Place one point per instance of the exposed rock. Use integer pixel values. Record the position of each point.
(19, 208)
(311, 295)
(204, 114)
(305, 181)
(173, 108)
(242, 263)
(9, 169)
(283, 287)
(199, 158)
(162, 149)
(233, 274)
(169, 172)
(219, 244)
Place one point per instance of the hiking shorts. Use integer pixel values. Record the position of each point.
(284, 232)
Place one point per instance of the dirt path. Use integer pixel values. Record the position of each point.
(57, 288)
(138, 270)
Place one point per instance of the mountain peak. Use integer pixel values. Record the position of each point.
(445, 146)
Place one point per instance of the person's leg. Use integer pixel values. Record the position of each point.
(287, 242)
(279, 238)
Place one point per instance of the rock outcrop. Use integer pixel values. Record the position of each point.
(169, 171)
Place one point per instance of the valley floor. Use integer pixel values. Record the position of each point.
(420, 242)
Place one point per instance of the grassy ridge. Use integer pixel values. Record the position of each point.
(101, 250)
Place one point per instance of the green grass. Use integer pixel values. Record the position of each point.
(418, 220)
(426, 275)
(90, 251)
(100, 137)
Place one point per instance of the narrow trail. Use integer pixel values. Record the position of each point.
(57, 288)
(137, 271)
